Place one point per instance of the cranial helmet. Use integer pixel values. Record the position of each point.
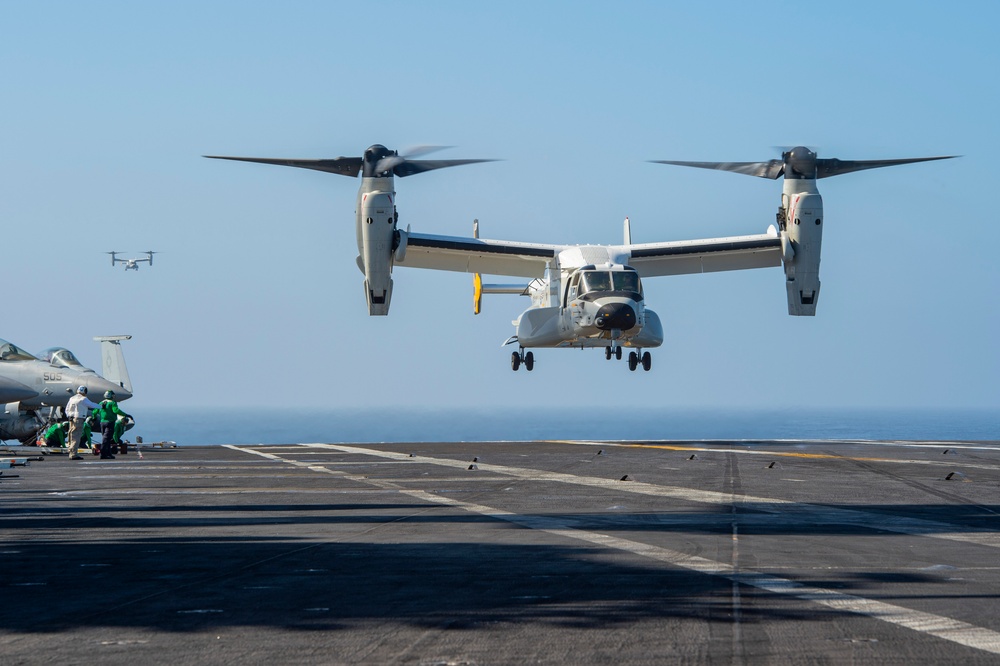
(82, 390)
(109, 395)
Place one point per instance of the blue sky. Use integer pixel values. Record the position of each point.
(256, 299)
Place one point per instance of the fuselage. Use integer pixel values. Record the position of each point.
(584, 304)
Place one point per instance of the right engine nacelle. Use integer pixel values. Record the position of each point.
(803, 232)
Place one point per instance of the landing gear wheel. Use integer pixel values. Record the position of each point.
(633, 361)
(607, 353)
(515, 361)
(529, 361)
(647, 361)
(618, 353)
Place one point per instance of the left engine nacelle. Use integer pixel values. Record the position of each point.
(375, 238)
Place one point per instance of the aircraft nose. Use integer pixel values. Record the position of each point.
(96, 386)
(615, 315)
(12, 391)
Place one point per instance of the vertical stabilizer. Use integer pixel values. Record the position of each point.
(113, 360)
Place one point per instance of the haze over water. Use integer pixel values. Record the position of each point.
(200, 426)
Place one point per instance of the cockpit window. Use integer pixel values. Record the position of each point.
(626, 281)
(60, 357)
(11, 352)
(610, 281)
(595, 281)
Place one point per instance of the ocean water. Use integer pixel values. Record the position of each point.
(232, 426)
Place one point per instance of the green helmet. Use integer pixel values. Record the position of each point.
(109, 395)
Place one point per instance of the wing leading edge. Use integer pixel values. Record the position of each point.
(477, 255)
(516, 259)
(705, 256)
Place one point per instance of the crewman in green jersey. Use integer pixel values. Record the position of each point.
(107, 413)
(55, 434)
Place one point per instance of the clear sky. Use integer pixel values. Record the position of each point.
(256, 299)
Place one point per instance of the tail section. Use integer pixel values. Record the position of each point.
(113, 360)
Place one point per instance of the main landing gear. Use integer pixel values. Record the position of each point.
(635, 358)
(517, 358)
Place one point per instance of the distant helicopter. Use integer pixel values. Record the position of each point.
(131, 264)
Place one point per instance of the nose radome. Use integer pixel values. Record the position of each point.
(615, 315)
(96, 387)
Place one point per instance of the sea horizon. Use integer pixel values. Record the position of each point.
(205, 426)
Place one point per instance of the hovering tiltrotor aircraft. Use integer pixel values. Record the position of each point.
(131, 264)
(51, 378)
(587, 295)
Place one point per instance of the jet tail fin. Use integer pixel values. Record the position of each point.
(113, 360)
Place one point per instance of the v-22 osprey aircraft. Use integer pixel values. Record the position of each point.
(587, 295)
(131, 264)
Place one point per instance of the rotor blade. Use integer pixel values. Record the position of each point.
(826, 168)
(345, 166)
(771, 169)
(423, 149)
(410, 167)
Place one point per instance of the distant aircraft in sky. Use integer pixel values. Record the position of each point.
(131, 264)
(587, 295)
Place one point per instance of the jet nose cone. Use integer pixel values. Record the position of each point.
(97, 386)
(615, 315)
(12, 391)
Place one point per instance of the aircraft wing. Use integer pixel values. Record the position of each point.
(478, 255)
(705, 256)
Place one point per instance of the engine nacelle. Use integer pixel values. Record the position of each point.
(376, 237)
(804, 232)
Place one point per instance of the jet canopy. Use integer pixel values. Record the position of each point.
(11, 352)
(60, 357)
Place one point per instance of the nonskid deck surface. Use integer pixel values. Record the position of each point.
(509, 552)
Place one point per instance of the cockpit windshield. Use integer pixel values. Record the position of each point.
(11, 352)
(60, 357)
(595, 281)
(626, 281)
(610, 281)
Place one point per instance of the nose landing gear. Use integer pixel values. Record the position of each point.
(616, 352)
(527, 358)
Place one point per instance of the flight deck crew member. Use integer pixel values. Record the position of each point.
(55, 435)
(78, 409)
(120, 425)
(107, 413)
(86, 439)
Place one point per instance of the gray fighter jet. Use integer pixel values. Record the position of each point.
(46, 382)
